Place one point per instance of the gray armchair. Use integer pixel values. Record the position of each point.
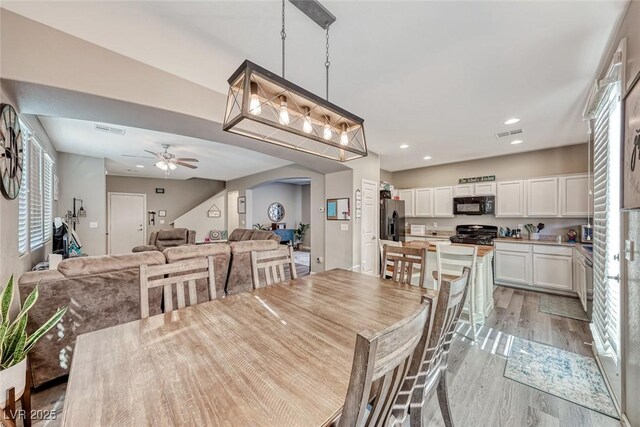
(169, 238)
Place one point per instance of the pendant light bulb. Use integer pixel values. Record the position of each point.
(306, 122)
(254, 104)
(344, 137)
(284, 111)
(326, 133)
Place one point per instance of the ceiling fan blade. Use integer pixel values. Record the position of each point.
(187, 159)
(139, 157)
(158, 155)
(186, 165)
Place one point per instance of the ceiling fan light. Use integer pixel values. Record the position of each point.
(162, 164)
(172, 166)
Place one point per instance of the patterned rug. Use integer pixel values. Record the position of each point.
(303, 258)
(567, 375)
(562, 306)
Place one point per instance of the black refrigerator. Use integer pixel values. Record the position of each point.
(392, 220)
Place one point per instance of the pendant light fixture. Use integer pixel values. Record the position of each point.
(269, 108)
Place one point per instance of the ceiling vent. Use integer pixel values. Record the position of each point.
(508, 133)
(109, 129)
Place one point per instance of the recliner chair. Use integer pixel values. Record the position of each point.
(168, 238)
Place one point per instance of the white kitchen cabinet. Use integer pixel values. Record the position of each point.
(510, 200)
(580, 277)
(408, 195)
(553, 272)
(443, 202)
(513, 264)
(542, 200)
(423, 202)
(574, 198)
(485, 189)
(463, 190)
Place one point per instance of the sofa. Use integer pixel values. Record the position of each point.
(104, 291)
(168, 238)
(241, 243)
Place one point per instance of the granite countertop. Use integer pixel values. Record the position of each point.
(482, 249)
(577, 245)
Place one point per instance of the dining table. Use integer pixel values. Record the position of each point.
(280, 355)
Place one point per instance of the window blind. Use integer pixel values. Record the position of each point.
(606, 229)
(47, 196)
(23, 204)
(36, 236)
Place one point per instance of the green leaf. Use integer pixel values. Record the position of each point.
(5, 304)
(20, 350)
(31, 341)
(28, 303)
(13, 336)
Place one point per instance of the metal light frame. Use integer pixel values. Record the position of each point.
(347, 140)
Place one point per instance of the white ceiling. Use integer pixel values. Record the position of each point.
(217, 161)
(439, 76)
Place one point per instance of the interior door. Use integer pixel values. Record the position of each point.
(127, 223)
(369, 250)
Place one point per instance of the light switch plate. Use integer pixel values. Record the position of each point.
(628, 250)
(162, 221)
(344, 227)
(93, 225)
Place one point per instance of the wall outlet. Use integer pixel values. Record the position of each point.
(322, 209)
(162, 221)
(93, 225)
(320, 260)
(344, 227)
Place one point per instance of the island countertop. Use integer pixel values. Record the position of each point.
(482, 249)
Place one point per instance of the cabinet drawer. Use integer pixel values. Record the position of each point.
(513, 247)
(553, 250)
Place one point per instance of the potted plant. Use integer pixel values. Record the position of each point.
(14, 342)
(299, 234)
(259, 226)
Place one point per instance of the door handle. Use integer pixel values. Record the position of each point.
(616, 277)
(140, 229)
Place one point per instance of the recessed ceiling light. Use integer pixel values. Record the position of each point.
(427, 157)
(139, 166)
(517, 141)
(512, 121)
(404, 146)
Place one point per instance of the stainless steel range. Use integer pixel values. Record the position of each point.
(475, 234)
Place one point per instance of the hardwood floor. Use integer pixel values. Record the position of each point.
(479, 393)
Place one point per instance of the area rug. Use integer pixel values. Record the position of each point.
(562, 306)
(567, 375)
(303, 258)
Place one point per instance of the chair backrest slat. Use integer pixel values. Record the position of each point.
(382, 357)
(177, 273)
(406, 261)
(272, 265)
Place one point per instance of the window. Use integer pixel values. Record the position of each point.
(23, 203)
(36, 216)
(47, 187)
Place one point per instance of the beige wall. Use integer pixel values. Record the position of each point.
(179, 196)
(198, 219)
(83, 177)
(386, 176)
(10, 262)
(288, 195)
(554, 161)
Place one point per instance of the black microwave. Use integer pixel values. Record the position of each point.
(480, 205)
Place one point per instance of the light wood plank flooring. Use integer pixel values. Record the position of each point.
(479, 393)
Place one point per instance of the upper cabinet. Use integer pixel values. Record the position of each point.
(409, 201)
(443, 201)
(542, 200)
(485, 189)
(423, 202)
(574, 196)
(510, 201)
(463, 190)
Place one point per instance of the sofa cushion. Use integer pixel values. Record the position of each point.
(172, 237)
(82, 266)
(144, 248)
(253, 245)
(194, 251)
(240, 234)
(40, 276)
(265, 235)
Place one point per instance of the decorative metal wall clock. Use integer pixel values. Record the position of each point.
(276, 212)
(11, 152)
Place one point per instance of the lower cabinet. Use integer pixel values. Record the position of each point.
(580, 278)
(553, 272)
(513, 264)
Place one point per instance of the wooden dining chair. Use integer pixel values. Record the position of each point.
(178, 273)
(272, 265)
(387, 267)
(428, 370)
(382, 358)
(450, 260)
(406, 262)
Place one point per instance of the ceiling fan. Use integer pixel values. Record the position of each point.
(168, 162)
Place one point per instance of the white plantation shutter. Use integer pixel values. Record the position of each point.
(606, 223)
(47, 196)
(36, 235)
(23, 204)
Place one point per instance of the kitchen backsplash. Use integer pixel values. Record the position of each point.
(552, 226)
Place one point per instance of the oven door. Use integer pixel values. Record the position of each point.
(467, 206)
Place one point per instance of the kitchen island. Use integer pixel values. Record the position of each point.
(483, 291)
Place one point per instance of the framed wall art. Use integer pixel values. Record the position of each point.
(242, 205)
(631, 147)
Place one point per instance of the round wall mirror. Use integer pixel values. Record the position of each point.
(275, 212)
